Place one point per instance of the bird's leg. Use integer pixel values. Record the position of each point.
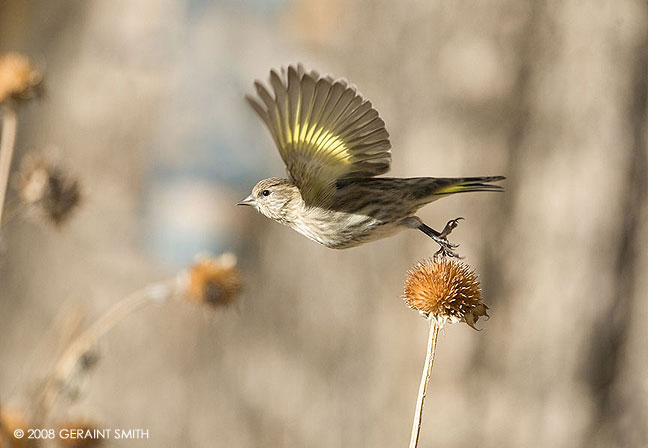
(441, 238)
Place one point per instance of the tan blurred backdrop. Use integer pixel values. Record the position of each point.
(144, 101)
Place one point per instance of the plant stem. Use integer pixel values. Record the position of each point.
(65, 367)
(7, 140)
(425, 377)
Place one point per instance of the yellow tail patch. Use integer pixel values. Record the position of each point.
(451, 189)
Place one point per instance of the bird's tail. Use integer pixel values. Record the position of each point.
(466, 184)
(432, 188)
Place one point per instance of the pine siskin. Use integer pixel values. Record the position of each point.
(333, 144)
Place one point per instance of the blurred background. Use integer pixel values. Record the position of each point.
(144, 104)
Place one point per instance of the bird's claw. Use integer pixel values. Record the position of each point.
(450, 226)
(446, 249)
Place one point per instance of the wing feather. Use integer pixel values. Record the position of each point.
(324, 129)
(294, 101)
(308, 100)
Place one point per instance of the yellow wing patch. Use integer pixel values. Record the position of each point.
(324, 130)
(325, 142)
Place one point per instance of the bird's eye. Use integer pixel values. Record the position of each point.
(265, 192)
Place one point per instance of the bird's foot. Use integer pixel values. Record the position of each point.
(450, 226)
(446, 249)
(441, 238)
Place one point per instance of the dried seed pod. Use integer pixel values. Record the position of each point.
(19, 80)
(43, 184)
(214, 281)
(445, 289)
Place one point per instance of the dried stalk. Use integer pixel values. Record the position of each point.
(69, 360)
(425, 377)
(7, 140)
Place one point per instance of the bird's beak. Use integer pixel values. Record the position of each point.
(248, 201)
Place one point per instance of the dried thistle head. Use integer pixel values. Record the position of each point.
(78, 427)
(445, 289)
(19, 80)
(10, 421)
(214, 281)
(44, 185)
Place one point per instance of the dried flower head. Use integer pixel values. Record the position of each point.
(19, 80)
(214, 281)
(79, 434)
(10, 421)
(446, 289)
(43, 184)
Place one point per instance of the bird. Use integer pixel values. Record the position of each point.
(334, 145)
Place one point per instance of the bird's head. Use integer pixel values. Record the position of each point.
(275, 198)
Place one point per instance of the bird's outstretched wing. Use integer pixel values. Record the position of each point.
(324, 129)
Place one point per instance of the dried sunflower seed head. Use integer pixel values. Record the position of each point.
(19, 80)
(44, 185)
(214, 281)
(445, 289)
